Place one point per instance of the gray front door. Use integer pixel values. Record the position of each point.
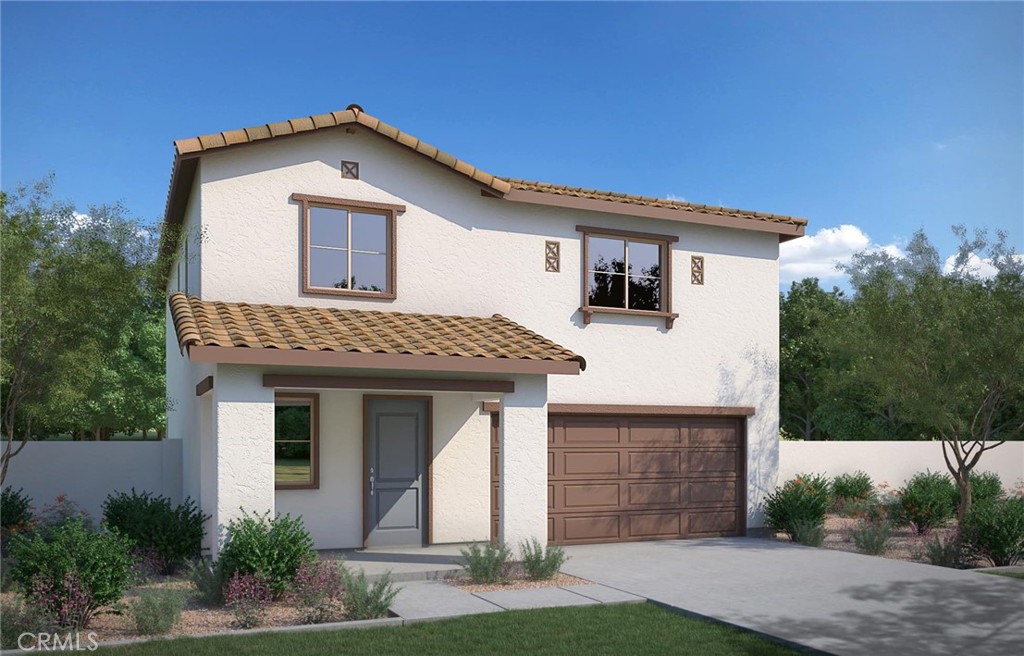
(396, 441)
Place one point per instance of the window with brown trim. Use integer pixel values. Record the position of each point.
(348, 247)
(296, 441)
(627, 272)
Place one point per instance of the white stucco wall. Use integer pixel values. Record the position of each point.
(460, 485)
(523, 491)
(461, 253)
(891, 462)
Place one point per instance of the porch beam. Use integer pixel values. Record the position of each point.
(374, 383)
(641, 410)
(393, 361)
(204, 386)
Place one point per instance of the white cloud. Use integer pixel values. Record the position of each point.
(678, 198)
(79, 221)
(981, 267)
(817, 255)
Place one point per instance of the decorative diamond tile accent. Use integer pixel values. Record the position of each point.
(552, 256)
(350, 170)
(696, 269)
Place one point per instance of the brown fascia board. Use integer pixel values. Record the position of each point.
(637, 410)
(786, 231)
(390, 384)
(386, 361)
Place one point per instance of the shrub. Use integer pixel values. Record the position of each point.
(540, 563)
(986, 487)
(248, 595)
(872, 537)
(165, 534)
(364, 601)
(19, 618)
(58, 513)
(808, 533)
(15, 511)
(487, 564)
(799, 502)
(72, 566)
(209, 579)
(996, 530)
(927, 501)
(850, 487)
(271, 548)
(157, 610)
(318, 587)
(953, 551)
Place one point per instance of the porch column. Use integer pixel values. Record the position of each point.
(523, 495)
(243, 420)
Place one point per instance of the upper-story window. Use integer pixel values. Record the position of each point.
(348, 247)
(627, 273)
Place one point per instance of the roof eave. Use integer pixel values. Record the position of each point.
(785, 230)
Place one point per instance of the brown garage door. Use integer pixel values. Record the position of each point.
(621, 478)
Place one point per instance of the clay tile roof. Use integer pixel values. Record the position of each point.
(245, 325)
(353, 114)
(649, 201)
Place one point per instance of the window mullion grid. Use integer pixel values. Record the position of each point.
(348, 253)
(626, 271)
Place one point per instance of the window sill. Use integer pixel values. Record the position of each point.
(297, 486)
(589, 311)
(351, 293)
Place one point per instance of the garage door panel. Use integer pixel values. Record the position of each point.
(614, 479)
(655, 462)
(643, 495)
(649, 527)
(590, 496)
(716, 492)
(711, 461)
(590, 463)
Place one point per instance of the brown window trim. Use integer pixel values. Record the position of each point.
(666, 242)
(391, 211)
(314, 465)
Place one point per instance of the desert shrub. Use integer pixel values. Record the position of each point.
(486, 564)
(540, 563)
(271, 548)
(808, 532)
(317, 588)
(995, 530)
(927, 501)
(73, 571)
(15, 511)
(209, 579)
(872, 537)
(19, 618)
(801, 501)
(850, 487)
(167, 535)
(58, 513)
(986, 487)
(248, 595)
(952, 551)
(157, 610)
(364, 601)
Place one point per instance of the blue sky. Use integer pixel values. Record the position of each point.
(872, 120)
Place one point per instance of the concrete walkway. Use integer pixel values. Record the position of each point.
(429, 600)
(836, 602)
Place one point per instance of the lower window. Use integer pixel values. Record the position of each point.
(296, 441)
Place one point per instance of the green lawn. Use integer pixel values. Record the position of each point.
(614, 630)
(1012, 575)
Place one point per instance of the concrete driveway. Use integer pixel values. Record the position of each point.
(833, 601)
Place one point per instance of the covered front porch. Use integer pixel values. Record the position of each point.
(373, 449)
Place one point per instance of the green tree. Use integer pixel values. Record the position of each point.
(808, 319)
(945, 349)
(68, 286)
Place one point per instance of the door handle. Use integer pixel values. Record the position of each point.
(371, 481)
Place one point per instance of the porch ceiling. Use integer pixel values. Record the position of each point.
(244, 333)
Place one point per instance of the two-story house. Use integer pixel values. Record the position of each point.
(403, 349)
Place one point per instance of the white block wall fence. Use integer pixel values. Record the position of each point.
(891, 462)
(88, 471)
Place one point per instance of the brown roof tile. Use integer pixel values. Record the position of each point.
(245, 325)
(649, 201)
